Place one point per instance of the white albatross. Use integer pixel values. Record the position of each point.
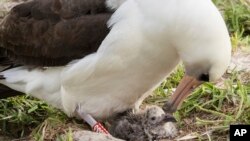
(147, 40)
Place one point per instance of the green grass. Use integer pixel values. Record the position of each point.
(209, 108)
(18, 113)
(237, 16)
(212, 108)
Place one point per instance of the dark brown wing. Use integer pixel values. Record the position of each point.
(53, 32)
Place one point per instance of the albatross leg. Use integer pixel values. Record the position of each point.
(95, 125)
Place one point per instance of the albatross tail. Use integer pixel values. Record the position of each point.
(5, 91)
(42, 83)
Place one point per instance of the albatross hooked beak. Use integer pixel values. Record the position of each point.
(186, 86)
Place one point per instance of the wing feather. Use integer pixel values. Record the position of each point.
(53, 32)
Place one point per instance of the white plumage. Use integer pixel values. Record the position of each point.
(147, 40)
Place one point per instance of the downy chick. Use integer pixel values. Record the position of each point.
(148, 125)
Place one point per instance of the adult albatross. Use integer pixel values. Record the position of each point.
(112, 70)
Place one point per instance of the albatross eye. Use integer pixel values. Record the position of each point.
(153, 118)
(204, 77)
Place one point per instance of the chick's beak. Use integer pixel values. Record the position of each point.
(169, 118)
(186, 86)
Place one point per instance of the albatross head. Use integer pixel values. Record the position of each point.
(158, 125)
(206, 62)
(201, 40)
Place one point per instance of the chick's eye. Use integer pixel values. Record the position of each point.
(153, 118)
(204, 77)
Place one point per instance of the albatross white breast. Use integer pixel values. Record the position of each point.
(148, 38)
